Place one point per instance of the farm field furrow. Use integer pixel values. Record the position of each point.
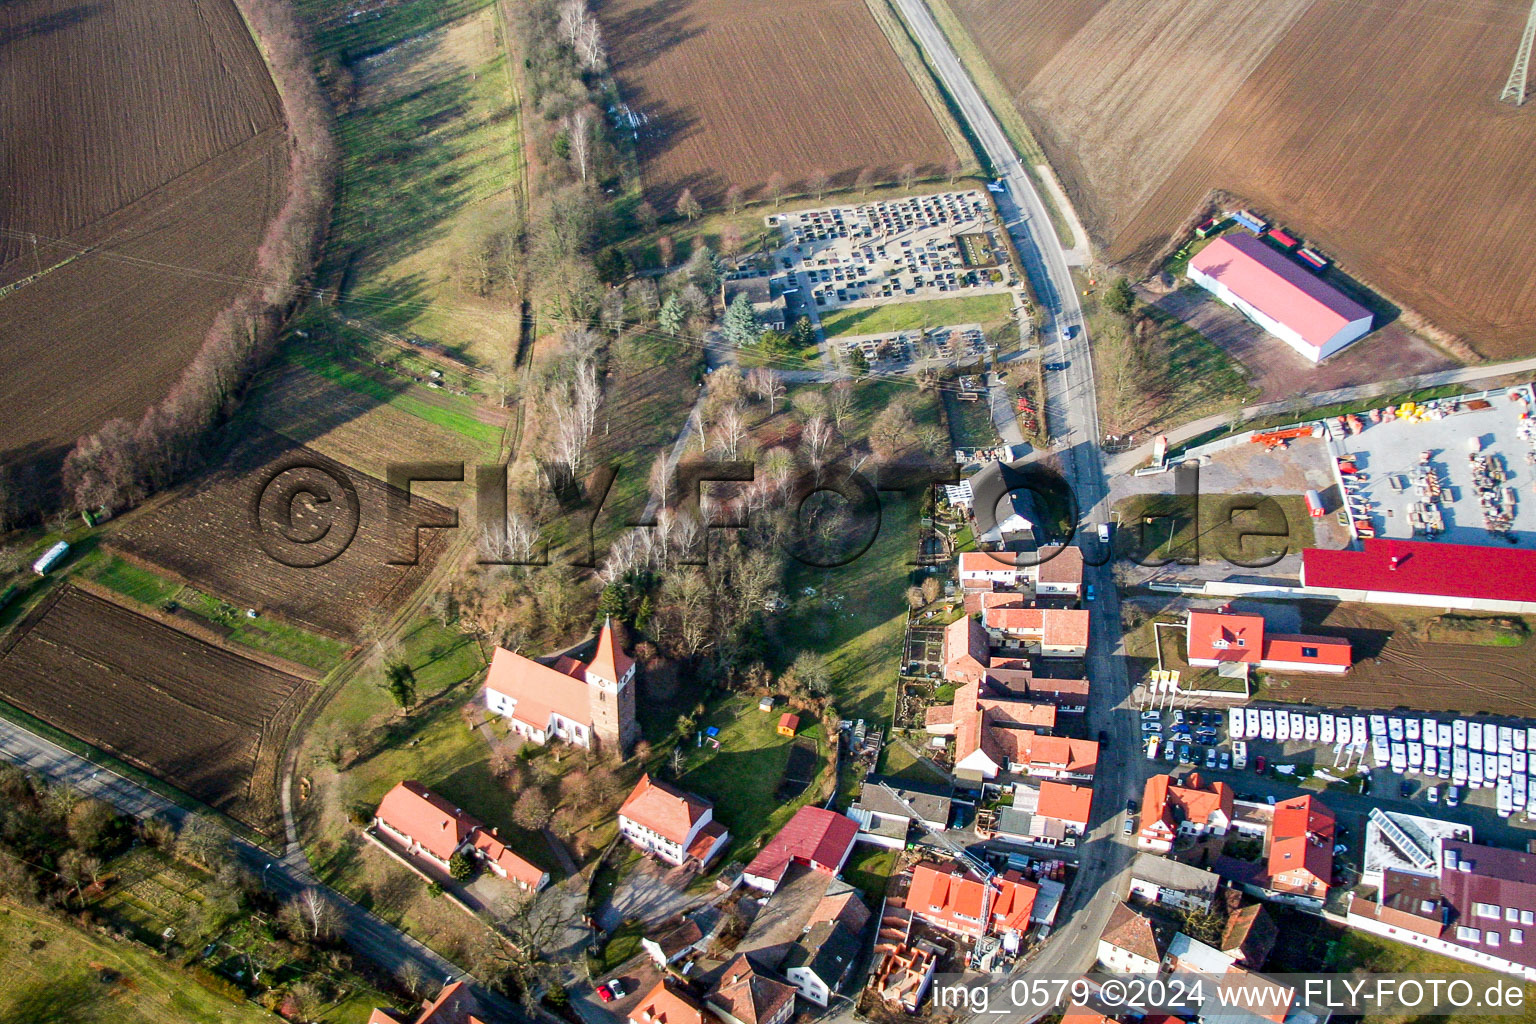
(1375, 133)
(734, 91)
(197, 715)
(208, 536)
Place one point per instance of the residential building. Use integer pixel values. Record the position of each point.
(1048, 632)
(804, 898)
(427, 826)
(1022, 823)
(1003, 507)
(821, 961)
(1060, 572)
(905, 974)
(973, 720)
(902, 802)
(1213, 639)
(1170, 809)
(765, 293)
(984, 570)
(1069, 695)
(1277, 293)
(1429, 574)
(1191, 956)
(455, 1004)
(668, 1003)
(1066, 803)
(686, 938)
(814, 837)
(1300, 855)
(585, 704)
(1480, 908)
(966, 651)
(950, 898)
(1048, 757)
(1013, 908)
(1249, 934)
(1163, 882)
(747, 994)
(1132, 943)
(671, 825)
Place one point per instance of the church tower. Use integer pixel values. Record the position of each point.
(611, 693)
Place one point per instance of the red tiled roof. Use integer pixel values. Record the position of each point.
(610, 662)
(948, 894)
(965, 650)
(668, 812)
(1015, 902)
(1132, 932)
(749, 995)
(844, 907)
(1331, 650)
(1065, 802)
(789, 720)
(1301, 836)
(1027, 747)
(1436, 569)
(1077, 1013)
(1215, 636)
(413, 810)
(455, 1004)
(1060, 564)
(988, 561)
(814, 836)
(540, 689)
(1026, 713)
(1058, 627)
(1278, 287)
(664, 1005)
(516, 867)
(1196, 803)
(702, 843)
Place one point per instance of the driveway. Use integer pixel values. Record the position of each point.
(651, 892)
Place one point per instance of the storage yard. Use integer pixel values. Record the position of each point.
(1265, 101)
(734, 92)
(1460, 470)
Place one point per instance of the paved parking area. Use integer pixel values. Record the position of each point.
(915, 247)
(1405, 460)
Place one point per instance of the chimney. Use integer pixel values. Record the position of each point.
(1392, 565)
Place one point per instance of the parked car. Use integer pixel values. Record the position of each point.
(1406, 789)
(1225, 761)
(1169, 753)
(1259, 764)
(616, 987)
(1184, 755)
(1210, 758)
(1151, 725)
(1090, 592)
(1130, 826)
(1151, 716)
(1452, 796)
(1103, 738)
(1433, 795)
(1054, 367)
(605, 993)
(1130, 806)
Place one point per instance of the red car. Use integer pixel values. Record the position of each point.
(1259, 764)
(605, 993)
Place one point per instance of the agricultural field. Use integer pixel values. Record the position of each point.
(164, 154)
(369, 419)
(1266, 102)
(735, 91)
(431, 173)
(199, 716)
(207, 535)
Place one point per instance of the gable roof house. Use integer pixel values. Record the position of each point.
(430, 827)
(804, 899)
(667, 1003)
(983, 570)
(900, 802)
(671, 825)
(1170, 810)
(1132, 943)
(1213, 639)
(815, 837)
(1170, 883)
(966, 652)
(1049, 632)
(950, 898)
(1060, 572)
(588, 704)
(1249, 934)
(1300, 856)
(455, 1004)
(675, 944)
(746, 994)
(1065, 803)
(821, 961)
(1003, 506)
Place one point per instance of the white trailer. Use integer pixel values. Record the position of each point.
(1431, 762)
(1378, 727)
(1282, 726)
(1490, 768)
(1475, 769)
(1530, 738)
(1429, 732)
(1445, 762)
(1459, 732)
(1311, 728)
(1459, 765)
(1380, 752)
(1399, 759)
(1506, 765)
(1519, 737)
(1239, 755)
(1251, 722)
(1267, 724)
(1518, 761)
(1411, 730)
(1357, 731)
(52, 557)
(1506, 740)
(1521, 790)
(1443, 737)
(1298, 725)
(1328, 729)
(1474, 735)
(1505, 801)
(1152, 745)
(1395, 729)
(1235, 727)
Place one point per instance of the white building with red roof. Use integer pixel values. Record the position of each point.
(1425, 574)
(815, 838)
(1050, 632)
(588, 704)
(1278, 294)
(1213, 639)
(427, 826)
(455, 1004)
(671, 825)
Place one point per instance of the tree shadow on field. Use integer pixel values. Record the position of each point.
(645, 32)
(60, 1000)
(43, 25)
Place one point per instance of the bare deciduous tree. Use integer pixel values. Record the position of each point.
(863, 180)
(765, 384)
(733, 199)
(578, 129)
(818, 183)
(775, 186)
(907, 175)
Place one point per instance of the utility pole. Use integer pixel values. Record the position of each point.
(1515, 89)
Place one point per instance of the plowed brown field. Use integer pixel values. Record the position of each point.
(208, 537)
(737, 90)
(201, 717)
(1374, 130)
(151, 129)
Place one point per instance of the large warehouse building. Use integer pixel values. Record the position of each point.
(1286, 300)
(1425, 574)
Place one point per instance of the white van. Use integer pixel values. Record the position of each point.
(1239, 755)
(1267, 724)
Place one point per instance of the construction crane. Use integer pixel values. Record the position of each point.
(1515, 89)
(959, 852)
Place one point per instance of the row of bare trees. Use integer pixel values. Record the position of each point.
(123, 461)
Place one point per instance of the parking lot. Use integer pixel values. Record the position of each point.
(918, 247)
(1455, 474)
(1352, 779)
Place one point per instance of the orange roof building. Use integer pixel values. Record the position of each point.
(974, 721)
(1014, 906)
(665, 1004)
(1066, 803)
(589, 704)
(672, 825)
(950, 898)
(430, 827)
(745, 994)
(983, 569)
(455, 1004)
(1170, 809)
(1051, 632)
(1217, 638)
(966, 651)
(1060, 572)
(1301, 839)
(789, 724)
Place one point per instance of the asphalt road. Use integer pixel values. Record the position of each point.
(1073, 416)
(366, 934)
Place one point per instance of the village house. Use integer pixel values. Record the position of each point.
(985, 570)
(1066, 803)
(455, 1004)
(957, 900)
(1215, 639)
(1170, 809)
(1300, 855)
(1159, 881)
(670, 825)
(686, 938)
(815, 838)
(888, 807)
(668, 1003)
(820, 963)
(427, 826)
(1059, 573)
(803, 900)
(747, 994)
(1132, 943)
(1048, 632)
(587, 704)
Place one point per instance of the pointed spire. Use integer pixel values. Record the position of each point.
(610, 662)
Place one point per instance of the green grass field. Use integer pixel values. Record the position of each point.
(986, 310)
(869, 868)
(1218, 526)
(51, 973)
(449, 419)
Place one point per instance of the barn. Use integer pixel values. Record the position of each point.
(1273, 291)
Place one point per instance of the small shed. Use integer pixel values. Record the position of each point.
(789, 724)
(766, 704)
